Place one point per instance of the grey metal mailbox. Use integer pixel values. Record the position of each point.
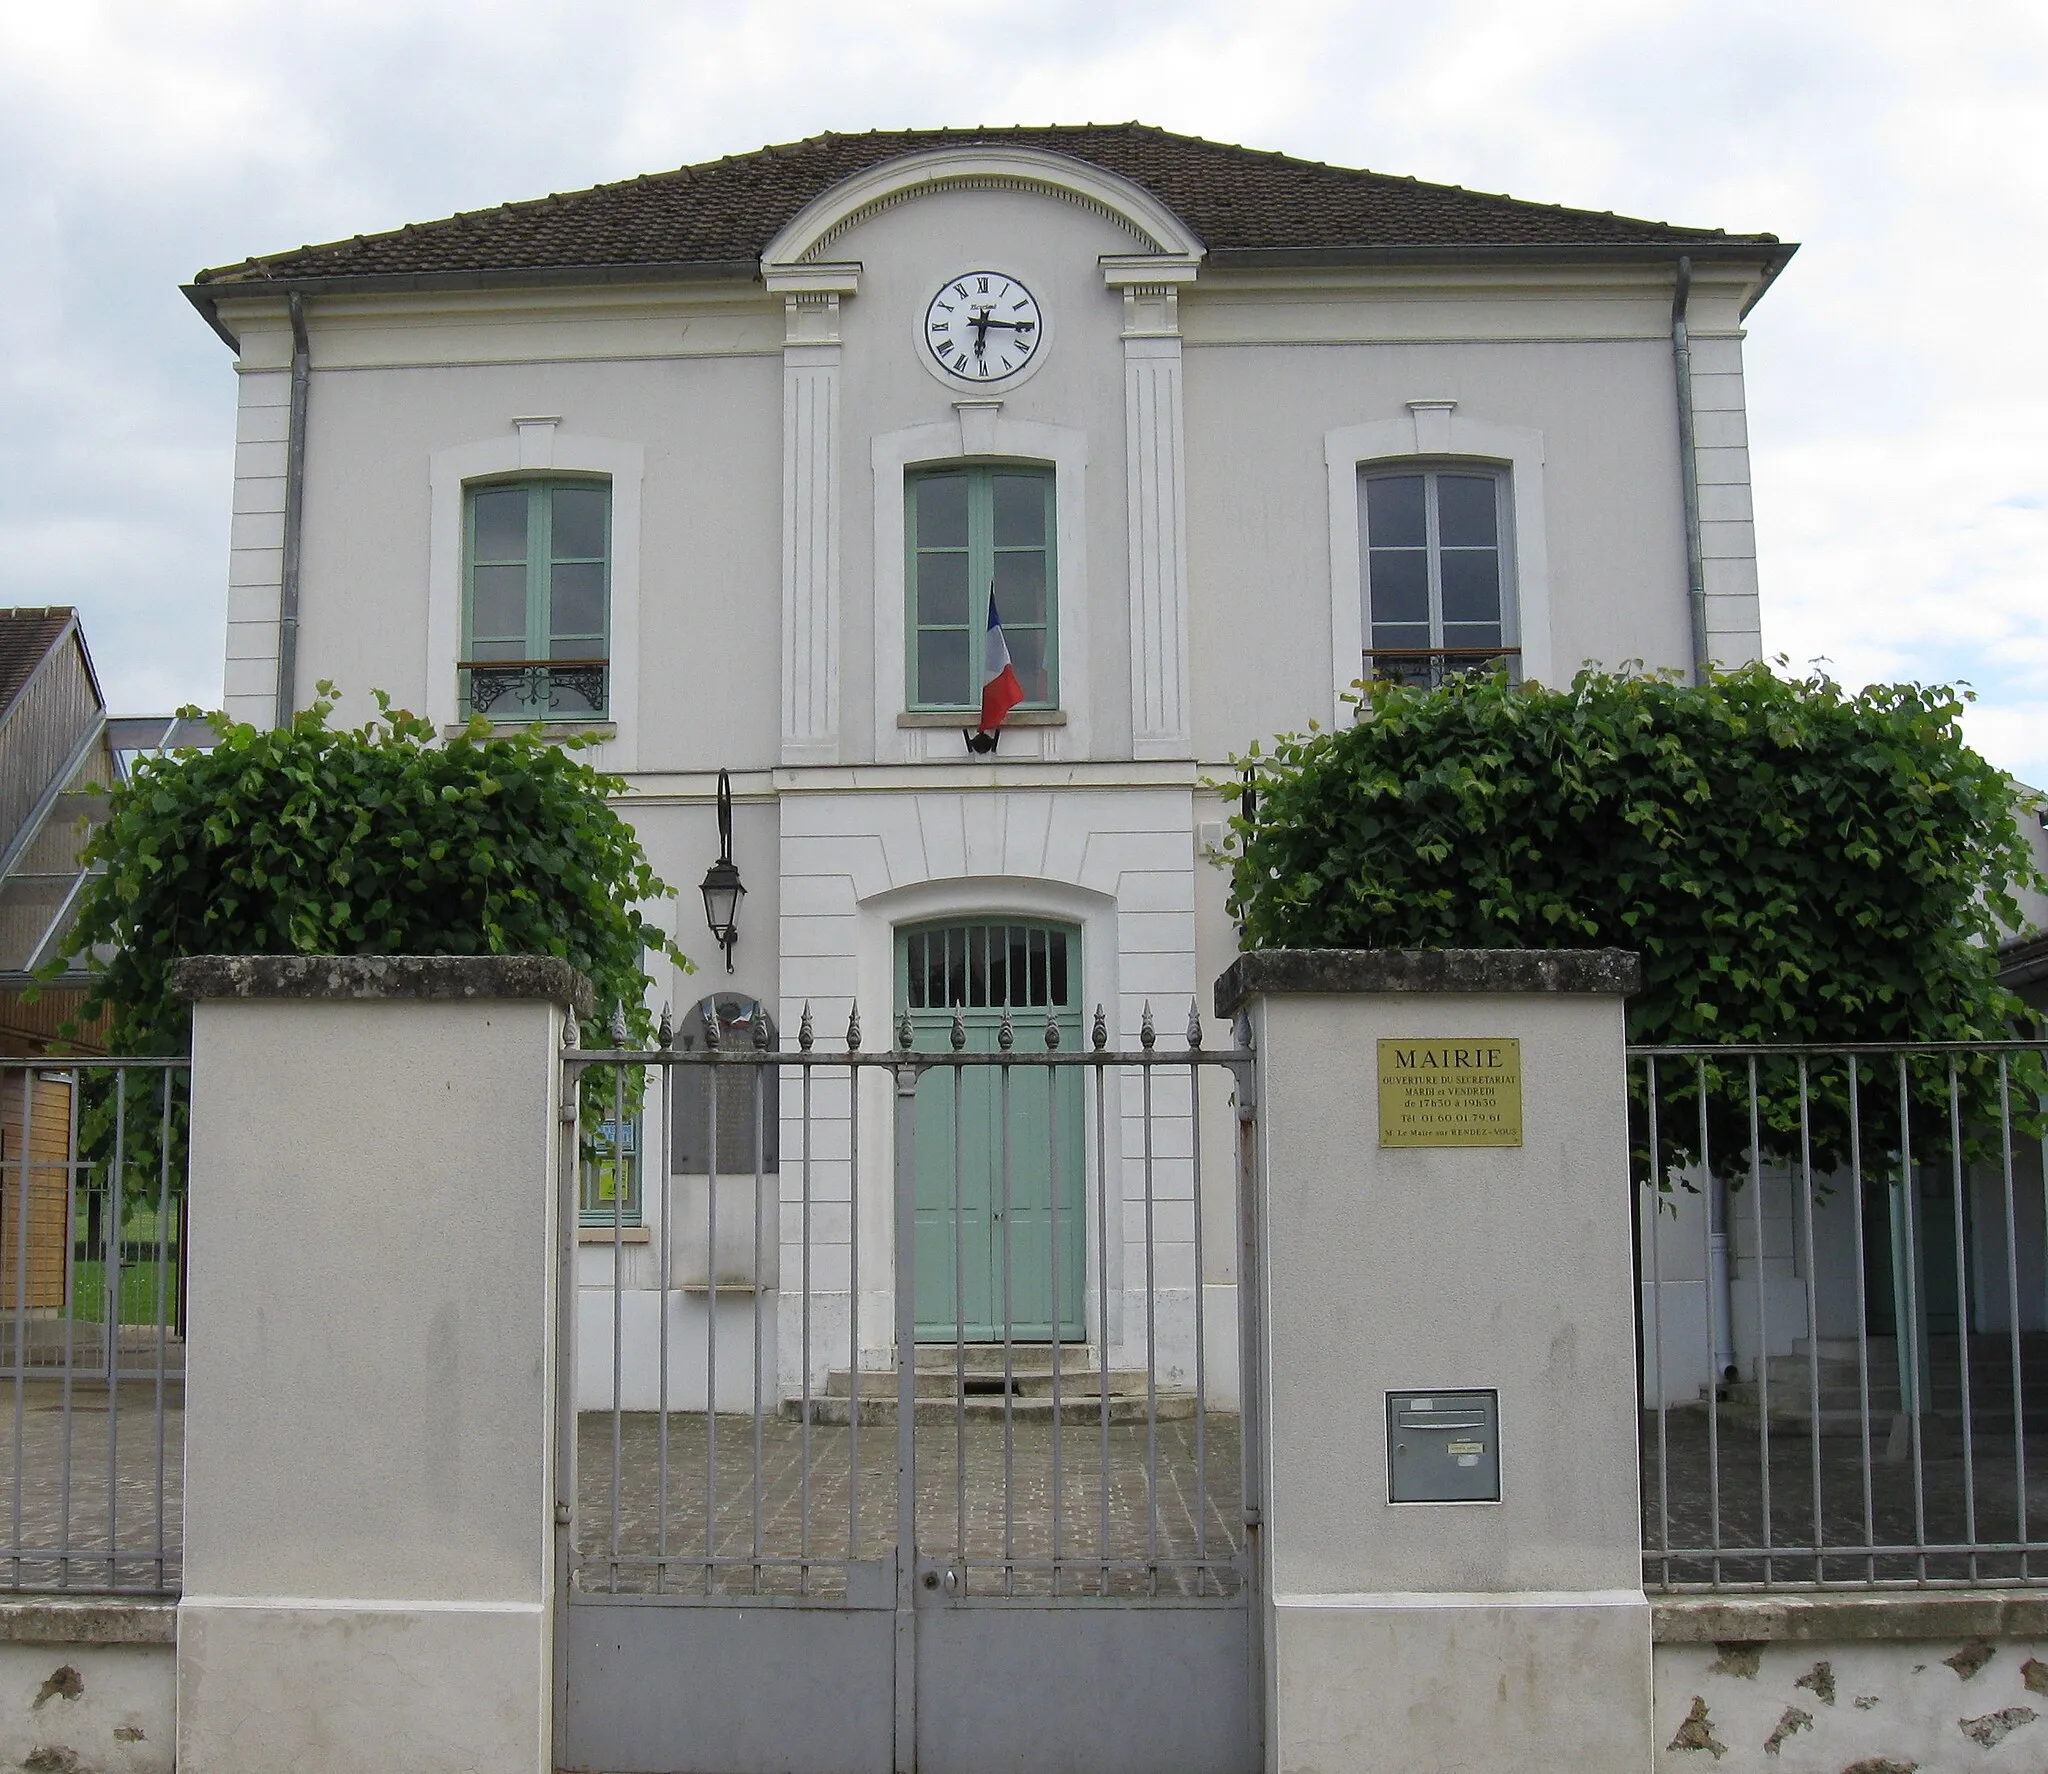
(1443, 1447)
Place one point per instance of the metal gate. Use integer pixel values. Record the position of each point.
(798, 1537)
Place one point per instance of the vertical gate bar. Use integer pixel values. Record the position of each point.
(1963, 1314)
(71, 1178)
(1657, 1326)
(2012, 1304)
(1812, 1310)
(28, 1116)
(1052, 1099)
(1101, 1315)
(906, 1408)
(566, 1553)
(665, 1270)
(1862, 1312)
(1201, 1312)
(111, 1304)
(959, 1329)
(1763, 1332)
(803, 1526)
(163, 1306)
(618, 1320)
(1713, 1319)
(1251, 1356)
(1908, 1334)
(714, 1082)
(1151, 1341)
(760, 1084)
(1009, 1358)
(853, 1286)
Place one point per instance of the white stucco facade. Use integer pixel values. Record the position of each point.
(1204, 426)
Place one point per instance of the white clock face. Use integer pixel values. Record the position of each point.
(984, 326)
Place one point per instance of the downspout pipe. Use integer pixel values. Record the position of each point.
(1689, 471)
(294, 515)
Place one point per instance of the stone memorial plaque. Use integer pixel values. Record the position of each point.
(1465, 1092)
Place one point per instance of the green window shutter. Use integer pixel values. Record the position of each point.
(972, 532)
(536, 606)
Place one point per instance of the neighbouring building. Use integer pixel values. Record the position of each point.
(730, 465)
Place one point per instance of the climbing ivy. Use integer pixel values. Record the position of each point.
(378, 840)
(1794, 863)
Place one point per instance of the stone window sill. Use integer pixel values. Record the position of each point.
(967, 717)
(603, 1235)
(546, 729)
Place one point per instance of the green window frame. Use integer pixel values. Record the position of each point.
(536, 599)
(971, 531)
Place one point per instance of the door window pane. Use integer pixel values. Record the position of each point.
(501, 525)
(1466, 511)
(579, 523)
(942, 590)
(942, 511)
(942, 666)
(1394, 511)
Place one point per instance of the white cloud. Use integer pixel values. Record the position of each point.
(1898, 373)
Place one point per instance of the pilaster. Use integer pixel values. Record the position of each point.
(1156, 493)
(810, 508)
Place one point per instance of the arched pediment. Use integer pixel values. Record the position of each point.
(811, 232)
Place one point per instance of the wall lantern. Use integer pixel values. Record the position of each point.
(722, 888)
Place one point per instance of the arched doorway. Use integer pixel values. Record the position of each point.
(1001, 1221)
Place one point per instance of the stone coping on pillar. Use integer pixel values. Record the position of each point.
(467, 978)
(1305, 972)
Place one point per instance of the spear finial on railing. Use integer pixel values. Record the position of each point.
(1099, 1035)
(1052, 1033)
(959, 1031)
(1148, 1036)
(760, 1028)
(906, 1032)
(853, 1027)
(805, 1034)
(572, 1032)
(1194, 1026)
(666, 1034)
(1006, 1036)
(710, 1015)
(616, 1028)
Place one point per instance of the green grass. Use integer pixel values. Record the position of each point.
(140, 1283)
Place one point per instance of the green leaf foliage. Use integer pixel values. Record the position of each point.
(380, 840)
(1794, 863)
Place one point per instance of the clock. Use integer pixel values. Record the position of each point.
(984, 326)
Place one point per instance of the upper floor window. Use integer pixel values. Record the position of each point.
(611, 1174)
(536, 600)
(1438, 598)
(976, 534)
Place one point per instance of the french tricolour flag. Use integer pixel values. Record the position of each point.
(1000, 690)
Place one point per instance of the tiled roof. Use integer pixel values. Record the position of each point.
(26, 637)
(723, 213)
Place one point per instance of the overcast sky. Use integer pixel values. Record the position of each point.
(1898, 373)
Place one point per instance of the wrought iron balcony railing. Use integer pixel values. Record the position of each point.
(1429, 667)
(535, 689)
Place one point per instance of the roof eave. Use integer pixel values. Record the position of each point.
(207, 297)
(1772, 254)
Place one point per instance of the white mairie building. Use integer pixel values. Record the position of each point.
(726, 465)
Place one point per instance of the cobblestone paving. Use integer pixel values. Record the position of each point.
(1949, 1499)
(1120, 1544)
(36, 1509)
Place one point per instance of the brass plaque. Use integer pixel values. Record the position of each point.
(1451, 1093)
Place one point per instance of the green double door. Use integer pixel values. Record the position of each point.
(1001, 1223)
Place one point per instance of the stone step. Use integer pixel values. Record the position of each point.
(1075, 1381)
(1123, 1408)
(988, 1358)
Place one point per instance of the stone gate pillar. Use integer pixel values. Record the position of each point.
(1447, 1311)
(370, 1470)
